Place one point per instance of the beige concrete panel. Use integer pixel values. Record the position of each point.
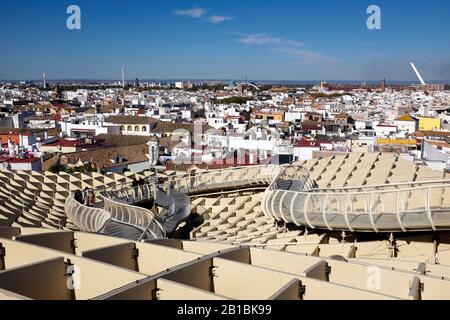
(61, 241)
(390, 282)
(281, 261)
(89, 241)
(315, 289)
(341, 249)
(95, 279)
(19, 254)
(141, 291)
(156, 258)
(434, 289)
(291, 291)
(7, 295)
(357, 276)
(173, 243)
(120, 255)
(393, 264)
(241, 255)
(169, 290)
(9, 232)
(195, 275)
(204, 247)
(44, 280)
(245, 282)
(305, 249)
(372, 278)
(318, 271)
(322, 290)
(372, 249)
(98, 278)
(423, 252)
(297, 264)
(435, 270)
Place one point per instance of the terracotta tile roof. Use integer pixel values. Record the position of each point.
(342, 115)
(18, 160)
(168, 127)
(120, 140)
(445, 134)
(64, 143)
(131, 120)
(102, 157)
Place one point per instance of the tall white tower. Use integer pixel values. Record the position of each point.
(418, 74)
(45, 80)
(123, 76)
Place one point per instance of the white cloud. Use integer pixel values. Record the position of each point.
(264, 38)
(290, 47)
(219, 19)
(193, 13)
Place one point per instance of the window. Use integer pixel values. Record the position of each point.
(122, 128)
(137, 129)
(144, 129)
(129, 128)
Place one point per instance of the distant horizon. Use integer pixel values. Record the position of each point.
(200, 80)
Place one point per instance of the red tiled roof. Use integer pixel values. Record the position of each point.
(64, 143)
(311, 127)
(16, 134)
(18, 160)
(431, 133)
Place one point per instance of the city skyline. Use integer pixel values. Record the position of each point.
(215, 40)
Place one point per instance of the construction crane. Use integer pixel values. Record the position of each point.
(418, 74)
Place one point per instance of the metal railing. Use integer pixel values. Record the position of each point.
(130, 194)
(222, 179)
(293, 177)
(119, 200)
(393, 210)
(292, 196)
(140, 218)
(390, 186)
(89, 219)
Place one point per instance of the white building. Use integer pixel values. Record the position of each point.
(384, 130)
(304, 149)
(74, 128)
(407, 124)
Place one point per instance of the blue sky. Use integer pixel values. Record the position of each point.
(218, 39)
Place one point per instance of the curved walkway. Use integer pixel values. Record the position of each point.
(292, 196)
(415, 206)
(118, 214)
